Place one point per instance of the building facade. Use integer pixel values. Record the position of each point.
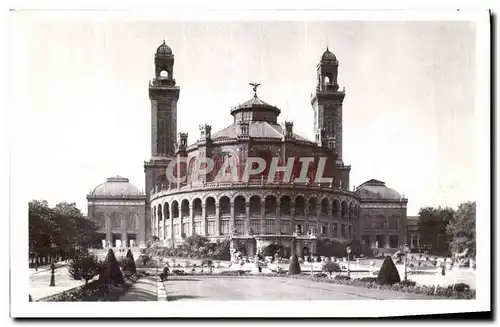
(382, 215)
(413, 233)
(118, 209)
(259, 211)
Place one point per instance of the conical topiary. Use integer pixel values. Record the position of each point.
(131, 262)
(388, 273)
(115, 273)
(294, 268)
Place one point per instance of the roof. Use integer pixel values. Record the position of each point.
(256, 129)
(376, 190)
(164, 50)
(116, 186)
(254, 102)
(328, 56)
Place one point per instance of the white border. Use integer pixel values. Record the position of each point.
(20, 306)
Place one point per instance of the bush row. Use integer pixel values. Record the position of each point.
(457, 291)
(94, 291)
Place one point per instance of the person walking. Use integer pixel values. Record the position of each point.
(165, 273)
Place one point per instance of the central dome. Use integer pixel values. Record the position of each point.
(376, 190)
(116, 186)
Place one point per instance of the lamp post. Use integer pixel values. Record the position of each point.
(310, 254)
(406, 249)
(52, 277)
(348, 250)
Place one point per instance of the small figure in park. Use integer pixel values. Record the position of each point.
(165, 273)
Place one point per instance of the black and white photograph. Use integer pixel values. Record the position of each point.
(249, 163)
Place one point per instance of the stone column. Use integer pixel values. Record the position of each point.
(387, 245)
(262, 217)
(164, 216)
(124, 239)
(109, 234)
(191, 219)
(247, 217)
(292, 213)
(306, 220)
(204, 219)
(318, 213)
(171, 232)
(217, 219)
(231, 218)
(277, 229)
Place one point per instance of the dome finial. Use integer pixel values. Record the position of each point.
(327, 50)
(255, 86)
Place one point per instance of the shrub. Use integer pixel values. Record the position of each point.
(368, 280)
(320, 275)
(178, 272)
(131, 267)
(331, 267)
(408, 283)
(460, 287)
(294, 267)
(388, 273)
(114, 271)
(342, 277)
(86, 267)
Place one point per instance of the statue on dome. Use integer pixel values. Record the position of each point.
(254, 88)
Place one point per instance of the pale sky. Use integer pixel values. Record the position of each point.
(82, 111)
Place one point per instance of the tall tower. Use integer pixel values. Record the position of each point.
(164, 95)
(327, 105)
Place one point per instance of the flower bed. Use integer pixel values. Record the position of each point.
(95, 291)
(459, 291)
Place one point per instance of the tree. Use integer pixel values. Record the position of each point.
(84, 266)
(113, 271)
(58, 231)
(294, 267)
(331, 267)
(432, 224)
(388, 273)
(129, 263)
(462, 229)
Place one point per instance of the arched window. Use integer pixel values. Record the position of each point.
(300, 206)
(285, 206)
(185, 208)
(239, 206)
(175, 209)
(255, 206)
(270, 208)
(210, 206)
(324, 207)
(312, 207)
(197, 208)
(225, 206)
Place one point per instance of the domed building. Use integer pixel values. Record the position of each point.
(295, 207)
(260, 211)
(117, 206)
(383, 215)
